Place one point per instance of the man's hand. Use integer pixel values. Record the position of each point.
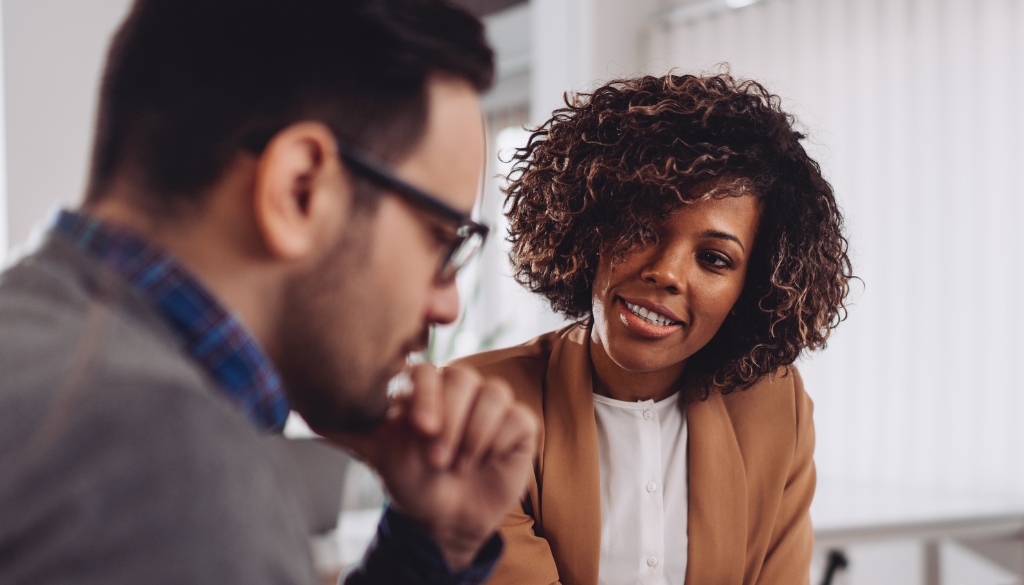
(455, 455)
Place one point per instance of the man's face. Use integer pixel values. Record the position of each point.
(350, 323)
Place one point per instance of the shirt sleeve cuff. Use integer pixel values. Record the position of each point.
(403, 553)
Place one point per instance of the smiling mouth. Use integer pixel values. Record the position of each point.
(650, 316)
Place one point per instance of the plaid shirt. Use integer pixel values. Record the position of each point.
(215, 338)
(402, 552)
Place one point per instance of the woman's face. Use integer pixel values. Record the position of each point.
(658, 305)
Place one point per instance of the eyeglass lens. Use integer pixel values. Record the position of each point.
(461, 254)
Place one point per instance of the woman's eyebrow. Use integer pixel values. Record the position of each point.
(718, 235)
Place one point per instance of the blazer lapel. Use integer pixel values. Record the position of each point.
(717, 523)
(570, 479)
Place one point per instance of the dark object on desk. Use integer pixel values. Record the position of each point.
(836, 562)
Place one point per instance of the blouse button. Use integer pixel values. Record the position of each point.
(651, 486)
(652, 561)
(648, 414)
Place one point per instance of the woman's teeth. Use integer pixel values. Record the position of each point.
(649, 316)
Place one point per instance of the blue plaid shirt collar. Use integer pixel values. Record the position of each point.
(215, 338)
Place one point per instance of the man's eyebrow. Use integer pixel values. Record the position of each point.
(719, 235)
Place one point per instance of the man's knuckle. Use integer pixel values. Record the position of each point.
(460, 377)
(423, 371)
(493, 394)
(526, 418)
(502, 389)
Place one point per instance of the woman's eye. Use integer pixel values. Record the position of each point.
(716, 260)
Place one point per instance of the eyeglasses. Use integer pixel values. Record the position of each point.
(469, 235)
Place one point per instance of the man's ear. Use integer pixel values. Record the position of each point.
(301, 198)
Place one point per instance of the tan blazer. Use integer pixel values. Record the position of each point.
(751, 475)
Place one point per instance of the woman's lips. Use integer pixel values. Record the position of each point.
(642, 327)
(652, 306)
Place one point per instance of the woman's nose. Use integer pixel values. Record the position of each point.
(666, 268)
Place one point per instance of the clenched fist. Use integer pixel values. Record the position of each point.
(455, 454)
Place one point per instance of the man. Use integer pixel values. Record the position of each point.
(278, 202)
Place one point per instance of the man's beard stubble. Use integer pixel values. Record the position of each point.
(330, 377)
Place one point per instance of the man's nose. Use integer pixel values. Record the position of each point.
(443, 305)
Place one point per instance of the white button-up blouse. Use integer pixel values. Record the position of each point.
(642, 453)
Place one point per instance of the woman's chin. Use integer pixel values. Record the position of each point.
(638, 355)
(641, 362)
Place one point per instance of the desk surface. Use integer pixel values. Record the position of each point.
(843, 514)
(848, 513)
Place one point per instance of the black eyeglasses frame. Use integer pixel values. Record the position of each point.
(470, 234)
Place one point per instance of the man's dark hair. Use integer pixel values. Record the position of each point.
(189, 84)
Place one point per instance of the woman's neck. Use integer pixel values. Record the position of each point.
(613, 381)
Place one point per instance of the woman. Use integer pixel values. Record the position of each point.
(684, 227)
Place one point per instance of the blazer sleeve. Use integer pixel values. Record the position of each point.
(788, 559)
(403, 552)
(527, 559)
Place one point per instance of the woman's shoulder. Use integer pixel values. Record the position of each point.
(778, 399)
(773, 427)
(523, 366)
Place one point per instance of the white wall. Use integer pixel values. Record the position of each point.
(576, 42)
(52, 54)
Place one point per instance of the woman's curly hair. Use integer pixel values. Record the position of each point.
(605, 171)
